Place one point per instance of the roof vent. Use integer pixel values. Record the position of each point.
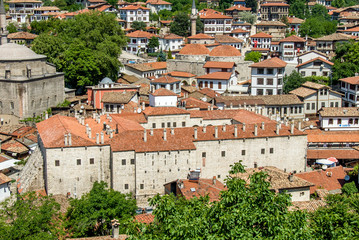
(193, 189)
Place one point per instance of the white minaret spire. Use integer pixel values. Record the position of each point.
(193, 18)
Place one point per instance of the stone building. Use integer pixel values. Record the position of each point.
(275, 28)
(28, 84)
(274, 11)
(136, 159)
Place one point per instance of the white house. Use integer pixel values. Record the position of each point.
(352, 31)
(216, 24)
(170, 83)
(309, 55)
(21, 10)
(334, 119)
(267, 77)
(163, 97)
(261, 40)
(240, 34)
(316, 96)
(201, 38)
(350, 87)
(133, 13)
(294, 24)
(4, 187)
(290, 47)
(157, 5)
(138, 41)
(217, 81)
(315, 67)
(228, 40)
(44, 13)
(171, 42)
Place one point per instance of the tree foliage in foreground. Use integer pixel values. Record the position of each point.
(85, 48)
(253, 56)
(30, 217)
(91, 215)
(181, 24)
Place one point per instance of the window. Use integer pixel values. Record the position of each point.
(336, 104)
(271, 150)
(168, 124)
(314, 74)
(57, 163)
(308, 106)
(269, 92)
(174, 124)
(163, 125)
(153, 125)
(260, 70)
(339, 121)
(259, 91)
(260, 81)
(203, 154)
(78, 161)
(269, 71)
(269, 81)
(11, 105)
(183, 124)
(223, 153)
(263, 151)
(323, 104)
(302, 73)
(330, 122)
(279, 81)
(313, 106)
(142, 186)
(92, 160)
(331, 104)
(123, 161)
(350, 121)
(356, 121)
(317, 64)
(126, 186)
(132, 161)
(325, 74)
(211, 84)
(219, 85)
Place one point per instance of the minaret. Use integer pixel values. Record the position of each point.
(193, 18)
(3, 30)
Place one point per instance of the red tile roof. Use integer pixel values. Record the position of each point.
(201, 36)
(157, 65)
(209, 92)
(134, 7)
(215, 16)
(319, 136)
(146, 218)
(160, 111)
(270, 63)
(194, 49)
(196, 103)
(22, 35)
(294, 20)
(238, 8)
(337, 153)
(14, 146)
(202, 187)
(293, 38)
(4, 178)
(331, 179)
(163, 92)
(140, 34)
(181, 74)
(351, 80)
(158, 2)
(166, 79)
(225, 51)
(315, 59)
(213, 64)
(216, 75)
(355, 29)
(171, 36)
(260, 49)
(273, 4)
(239, 30)
(261, 35)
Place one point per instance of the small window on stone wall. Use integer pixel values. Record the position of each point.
(57, 163)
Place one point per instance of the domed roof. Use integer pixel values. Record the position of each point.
(13, 51)
(194, 49)
(106, 80)
(225, 51)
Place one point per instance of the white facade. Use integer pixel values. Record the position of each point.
(137, 45)
(241, 35)
(305, 57)
(156, 6)
(4, 191)
(134, 13)
(163, 101)
(351, 94)
(215, 26)
(315, 68)
(290, 51)
(339, 123)
(44, 13)
(261, 42)
(267, 81)
(21, 11)
(170, 43)
(174, 87)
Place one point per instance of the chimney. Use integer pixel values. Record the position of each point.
(245, 105)
(224, 106)
(102, 138)
(70, 140)
(89, 133)
(116, 129)
(277, 130)
(104, 126)
(209, 108)
(216, 132)
(244, 127)
(83, 120)
(180, 184)
(143, 106)
(97, 138)
(172, 131)
(235, 131)
(111, 133)
(231, 105)
(195, 133)
(204, 129)
(93, 115)
(145, 135)
(98, 119)
(224, 128)
(262, 125)
(65, 139)
(151, 132)
(214, 180)
(255, 130)
(290, 177)
(135, 110)
(87, 128)
(110, 119)
(46, 115)
(292, 128)
(115, 230)
(164, 134)
(300, 126)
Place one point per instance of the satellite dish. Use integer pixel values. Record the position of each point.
(139, 110)
(311, 126)
(324, 167)
(347, 178)
(307, 119)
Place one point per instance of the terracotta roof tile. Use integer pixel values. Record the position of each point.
(337, 153)
(239, 30)
(238, 8)
(191, 103)
(351, 80)
(315, 59)
(309, 206)
(194, 49)
(336, 37)
(118, 97)
(157, 65)
(275, 4)
(216, 75)
(321, 179)
(261, 35)
(293, 38)
(4, 179)
(339, 112)
(318, 136)
(146, 218)
(260, 49)
(355, 29)
(294, 20)
(239, 100)
(158, 2)
(140, 34)
(210, 64)
(314, 85)
(22, 35)
(227, 39)
(14, 146)
(159, 111)
(215, 16)
(165, 79)
(209, 92)
(201, 36)
(163, 92)
(303, 92)
(270, 63)
(271, 23)
(171, 36)
(134, 7)
(225, 51)
(181, 74)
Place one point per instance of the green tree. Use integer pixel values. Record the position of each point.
(30, 217)
(252, 4)
(253, 56)
(11, 27)
(91, 215)
(298, 9)
(153, 43)
(225, 3)
(180, 24)
(317, 26)
(161, 57)
(320, 11)
(165, 14)
(199, 25)
(349, 188)
(139, 25)
(248, 17)
(169, 54)
(112, 3)
(293, 81)
(154, 17)
(85, 48)
(346, 60)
